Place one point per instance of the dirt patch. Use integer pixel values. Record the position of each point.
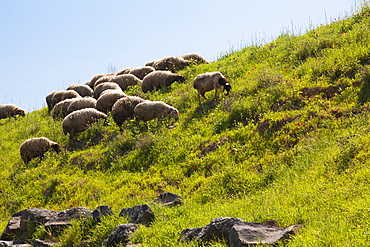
(327, 92)
(208, 146)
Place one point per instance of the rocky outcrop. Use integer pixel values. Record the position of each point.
(121, 234)
(141, 214)
(237, 232)
(169, 199)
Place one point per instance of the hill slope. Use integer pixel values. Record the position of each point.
(290, 143)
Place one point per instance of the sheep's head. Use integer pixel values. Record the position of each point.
(20, 112)
(227, 88)
(56, 147)
(174, 113)
(180, 78)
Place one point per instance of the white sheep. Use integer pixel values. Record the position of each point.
(37, 147)
(105, 86)
(82, 90)
(159, 79)
(78, 104)
(141, 72)
(10, 110)
(210, 81)
(172, 64)
(194, 58)
(123, 109)
(149, 110)
(107, 99)
(124, 80)
(79, 121)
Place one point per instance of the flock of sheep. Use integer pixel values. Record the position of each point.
(80, 105)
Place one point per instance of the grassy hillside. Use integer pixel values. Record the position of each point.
(278, 147)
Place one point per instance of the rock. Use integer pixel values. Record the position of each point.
(101, 211)
(22, 224)
(121, 234)
(238, 233)
(62, 219)
(169, 199)
(43, 243)
(14, 243)
(141, 214)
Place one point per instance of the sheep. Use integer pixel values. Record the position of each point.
(91, 83)
(79, 104)
(37, 147)
(194, 58)
(123, 71)
(10, 110)
(172, 64)
(60, 109)
(210, 81)
(141, 72)
(62, 95)
(159, 79)
(107, 99)
(151, 63)
(79, 121)
(123, 81)
(82, 90)
(149, 110)
(105, 86)
(123, 109)
(102, 80)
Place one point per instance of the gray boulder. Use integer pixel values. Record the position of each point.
(141, 214)
(169, 199)
(238, 233)
(22, 224)
(121, 234)
(101, 211)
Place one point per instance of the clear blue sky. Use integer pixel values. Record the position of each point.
(47, 45)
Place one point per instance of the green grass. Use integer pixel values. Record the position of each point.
(263, 152)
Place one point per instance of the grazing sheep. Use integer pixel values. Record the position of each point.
(123, 109)
(91, 83)
(82, 90)
(60, 109)
(62, 95)
(124, 71)
(107, 99)
(37, 147)
(194, 58)
(48, 101)
(124, 80)
(172, 64)
(78, 104)
(151, 63)
(10, 110)
(105, 86)
(149, 110)
(141, 72)
(210, 81)
(79, 121)
(159, 79)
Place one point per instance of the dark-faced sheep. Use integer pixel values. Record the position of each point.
(210, 81)
(79, 121)
(172, 64)
(107, 99)
(141, 72)
(159, 79)
(62, 95)
(194, 58)
(82, 90)
(37, 147)
(123, 109)
(149, 110)
(105, 86)
(10, 110)
(78, 104)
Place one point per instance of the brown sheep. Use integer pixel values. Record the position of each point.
(123, 109)
(105, 86)
(91, 83)
(37, 147)
(107, 99)
(159, 79)
(60, 109)
(141, 72)
(172, 64)
(210, 81)
(79, 121)
(194, 58)
(10, 110)
(62, 95)
(82, 90)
